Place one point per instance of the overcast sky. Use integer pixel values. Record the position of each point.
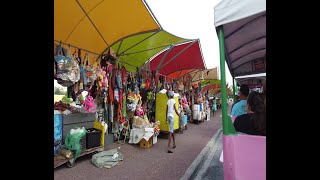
(191, 19)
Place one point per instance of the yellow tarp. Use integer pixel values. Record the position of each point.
(161, 105)
(95, 25)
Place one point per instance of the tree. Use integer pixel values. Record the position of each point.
(58, 91)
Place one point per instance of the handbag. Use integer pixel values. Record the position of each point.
(68, 69)
(62, 60)
(89, 70)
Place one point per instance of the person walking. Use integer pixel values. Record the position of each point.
(171, 109)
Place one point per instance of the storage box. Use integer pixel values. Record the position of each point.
(93, 138)
(83, 143)
(146, 144)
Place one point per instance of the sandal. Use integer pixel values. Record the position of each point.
(169, 151)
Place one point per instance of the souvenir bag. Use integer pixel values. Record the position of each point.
(90, 70)
(63, 61)
(66, 68)
(74, 73)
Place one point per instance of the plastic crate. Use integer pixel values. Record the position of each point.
(83, 143)
(146, 144)
(93, 138)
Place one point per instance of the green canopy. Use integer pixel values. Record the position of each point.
(134, 51)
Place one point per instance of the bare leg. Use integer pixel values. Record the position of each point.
(174, 142)
(169, 142)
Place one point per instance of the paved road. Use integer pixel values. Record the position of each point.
(153, 163)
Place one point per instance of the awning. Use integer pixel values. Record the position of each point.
(253, 81)
(135, 50)
(203, 75)
(183, 56)
(97, 24)
(244, 27)
(210, 82)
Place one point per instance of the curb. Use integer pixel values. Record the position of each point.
(202, 159)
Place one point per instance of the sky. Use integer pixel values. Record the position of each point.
(191, 19)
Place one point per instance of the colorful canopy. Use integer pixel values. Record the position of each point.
(134, 51)
(179, 57)
(244, 27)
(97, 24)
(206, 74)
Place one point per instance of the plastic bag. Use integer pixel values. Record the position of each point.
(72, 140)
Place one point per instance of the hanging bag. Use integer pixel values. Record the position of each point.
(63, 62)
(90, 71)
(74, 73)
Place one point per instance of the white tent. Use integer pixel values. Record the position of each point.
(244, 28)
(232, 10)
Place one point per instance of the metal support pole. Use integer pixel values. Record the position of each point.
(234, 89)
(227, 126)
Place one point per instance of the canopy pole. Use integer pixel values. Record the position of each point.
(60, 42)
(227, 125)
(234, 89)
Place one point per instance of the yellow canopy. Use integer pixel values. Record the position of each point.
(95, 25)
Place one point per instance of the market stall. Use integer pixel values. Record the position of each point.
(112, 96)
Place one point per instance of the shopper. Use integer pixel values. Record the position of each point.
(171, 109)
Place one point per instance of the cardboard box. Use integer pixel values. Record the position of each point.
(146, 144)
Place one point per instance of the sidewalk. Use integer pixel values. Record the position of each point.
(207, 165)
(153, 163)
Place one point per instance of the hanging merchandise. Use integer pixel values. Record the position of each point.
(90, 70)
(63, 62)
(124, 76)
(116, 94)
(104, 80)
(89, 104)
(111, 94)
(111, 112)
(180, 86)
(147, 83)
(118, 78)
(83, 79)
(113, 78)
(68, 70)
(124, 105)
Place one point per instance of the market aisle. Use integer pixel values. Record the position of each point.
(153, 163)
